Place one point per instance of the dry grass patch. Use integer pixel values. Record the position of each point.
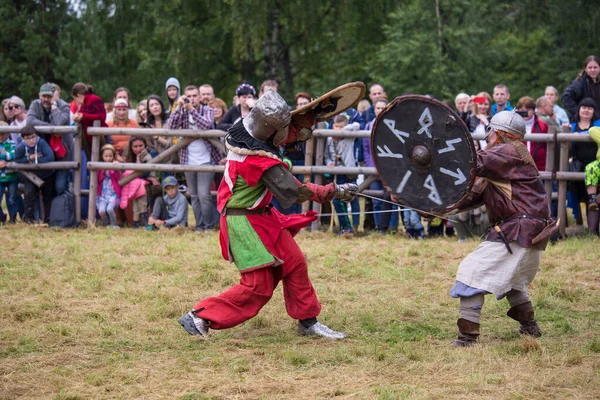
(92, 314)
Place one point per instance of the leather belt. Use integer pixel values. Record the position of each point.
(245, 211)
(522, 216)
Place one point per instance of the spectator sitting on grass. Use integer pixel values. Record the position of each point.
(137, 152)
(171, 209)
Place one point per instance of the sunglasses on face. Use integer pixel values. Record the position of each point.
(13, 107)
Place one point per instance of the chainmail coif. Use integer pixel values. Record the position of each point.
(522, 151)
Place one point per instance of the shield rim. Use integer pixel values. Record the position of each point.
(313, 104)
(470, 144)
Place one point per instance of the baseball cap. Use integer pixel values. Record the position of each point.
(169, 181)
(47, 89)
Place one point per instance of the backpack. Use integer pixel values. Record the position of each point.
(62, 211)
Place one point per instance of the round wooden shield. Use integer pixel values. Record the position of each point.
(424, 153)
(334, 102)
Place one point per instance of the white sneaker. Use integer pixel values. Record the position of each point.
(319, 329)
(194, 325)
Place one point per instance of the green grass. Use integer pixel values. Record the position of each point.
(93, 314)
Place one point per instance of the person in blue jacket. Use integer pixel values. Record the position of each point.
(35, 150)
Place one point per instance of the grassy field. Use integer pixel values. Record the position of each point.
(93, 314)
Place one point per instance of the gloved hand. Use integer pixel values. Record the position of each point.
(346, 191)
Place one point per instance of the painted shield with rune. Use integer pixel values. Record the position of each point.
(424, 153)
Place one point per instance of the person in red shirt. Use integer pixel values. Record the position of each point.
(533, 124)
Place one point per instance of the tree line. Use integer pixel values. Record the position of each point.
(437, 47)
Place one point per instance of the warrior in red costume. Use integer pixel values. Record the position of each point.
(254, 235)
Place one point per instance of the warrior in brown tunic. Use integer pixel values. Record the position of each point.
(506, 262)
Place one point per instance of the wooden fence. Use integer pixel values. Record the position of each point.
(558, 145)
(75, 165)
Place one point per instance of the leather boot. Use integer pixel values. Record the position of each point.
(592, 202)
(593, 218)
(468, 332)
(13, 219)
(524, 314)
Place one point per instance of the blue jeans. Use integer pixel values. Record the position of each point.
(85, 184)
(61, 180)
(412, 220)
(341, 207)
(199, 184)
(377, 204)
(11, 196)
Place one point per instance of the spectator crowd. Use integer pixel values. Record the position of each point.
(160, 199)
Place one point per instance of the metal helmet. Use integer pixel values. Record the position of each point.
(270, 115)
(508, 121)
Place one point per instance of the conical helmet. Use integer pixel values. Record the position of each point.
(508, 121)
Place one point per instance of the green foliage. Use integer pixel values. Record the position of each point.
(440, 47)
(29, 45)
(473, 45)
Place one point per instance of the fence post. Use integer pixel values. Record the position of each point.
(77, 172)
(550, 167)
(95, 156)
(320, 148)
(309, 151)
(562, 187)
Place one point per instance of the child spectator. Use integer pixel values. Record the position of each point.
(413, 225)
(171, 209)
(435, 227)
(173, 89)
(135, 191)
(108, 190)
(339, 152)
(35, 150)
(8, 177)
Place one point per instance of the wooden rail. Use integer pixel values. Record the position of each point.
(557, 143)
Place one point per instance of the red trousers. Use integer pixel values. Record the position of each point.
(244, 300)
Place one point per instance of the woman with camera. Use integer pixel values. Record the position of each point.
(526, 109)
(481, 116)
